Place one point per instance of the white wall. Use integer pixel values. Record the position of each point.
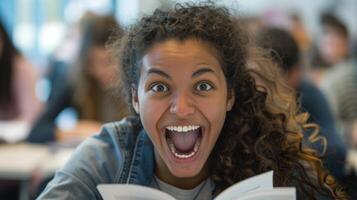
(130, 10)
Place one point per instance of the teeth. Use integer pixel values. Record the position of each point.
(183, 128)
(184, 156)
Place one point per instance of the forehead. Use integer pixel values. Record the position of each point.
(176, 52)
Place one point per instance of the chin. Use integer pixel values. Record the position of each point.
(185, 172)
(185, 169)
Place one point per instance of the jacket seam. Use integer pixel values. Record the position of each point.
(119, 174)
(133, 159)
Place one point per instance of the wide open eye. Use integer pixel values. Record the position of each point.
(159, 87)
(204, 86)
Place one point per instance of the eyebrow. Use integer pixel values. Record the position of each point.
(158, 72)
(195, 74)
(202, 71)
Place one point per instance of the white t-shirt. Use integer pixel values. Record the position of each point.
(201, 192)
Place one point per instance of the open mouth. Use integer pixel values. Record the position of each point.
(183, 141)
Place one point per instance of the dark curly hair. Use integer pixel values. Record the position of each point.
(262, 131)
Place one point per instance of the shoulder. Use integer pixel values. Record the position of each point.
(341, 71)
(120, 133)
(308, 87)
(310, 93)
(104, 152)
(99, 159)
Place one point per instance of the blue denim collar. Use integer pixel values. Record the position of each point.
(142, 165)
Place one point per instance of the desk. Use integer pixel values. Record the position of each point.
(21, 161)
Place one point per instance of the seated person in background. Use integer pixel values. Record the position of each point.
(19, 106)
(331, 48)
(201, 125)
(18, 78)
(90, 90)
(66, 53)
(285, 52)
(340, 81)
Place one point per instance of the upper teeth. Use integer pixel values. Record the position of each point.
(183, 128)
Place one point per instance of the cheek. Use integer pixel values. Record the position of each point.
(341, 47)
(150, 114)
(215, 112)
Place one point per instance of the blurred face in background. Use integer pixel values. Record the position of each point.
(294, 77)
(333, 46)
(101, 67)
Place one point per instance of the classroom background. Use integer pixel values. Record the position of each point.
(59, 60)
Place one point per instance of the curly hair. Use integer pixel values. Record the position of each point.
(263, 130)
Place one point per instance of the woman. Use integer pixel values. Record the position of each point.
(89, 90)
(17, 83)
(19, 105)
(201, 125)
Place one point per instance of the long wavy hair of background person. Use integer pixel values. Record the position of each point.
(97, 32)
(8, 52)
(262, 131)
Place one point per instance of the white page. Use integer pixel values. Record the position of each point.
(14, 130)
(130, 192)
(282, 193)
(258, 182)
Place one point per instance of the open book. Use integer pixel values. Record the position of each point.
(259, 187)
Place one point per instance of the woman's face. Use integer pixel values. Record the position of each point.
(182, 101)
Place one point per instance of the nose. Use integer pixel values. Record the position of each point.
(182, 105)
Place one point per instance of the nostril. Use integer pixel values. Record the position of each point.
(182, 110)
(173, 109)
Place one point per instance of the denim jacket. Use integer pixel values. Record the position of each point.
(121, 153)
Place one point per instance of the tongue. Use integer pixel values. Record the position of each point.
(184, 141)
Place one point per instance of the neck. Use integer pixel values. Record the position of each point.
(164, 174)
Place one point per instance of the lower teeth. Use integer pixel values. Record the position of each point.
(184, 156)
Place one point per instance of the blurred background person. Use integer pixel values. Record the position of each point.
(298, 31)
(286, 54)
(331, 49)
(334, 43)
(89, 90)
(18, 100)
(65, 55)
(19, 105)
(340, 80)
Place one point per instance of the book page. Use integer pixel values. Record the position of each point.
(259, 182)
(14, 131)
(282, 193)
(130, 192)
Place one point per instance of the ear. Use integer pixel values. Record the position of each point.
(230, 100)
(135, 99)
